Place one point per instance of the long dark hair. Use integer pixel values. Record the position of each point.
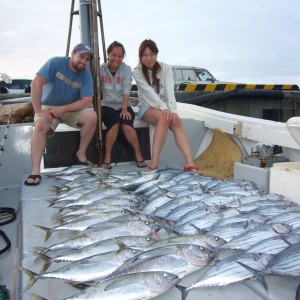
(114, 45)
(156, 68)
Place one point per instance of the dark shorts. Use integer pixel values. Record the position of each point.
(111, 116)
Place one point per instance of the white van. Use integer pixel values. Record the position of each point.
(186, 74)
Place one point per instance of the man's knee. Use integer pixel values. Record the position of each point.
(90, 117)
(41, 126)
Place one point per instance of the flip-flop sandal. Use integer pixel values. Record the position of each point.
(107, 164)
(33, 177)
(192, 169)
(82, 163)
(141, 163)
(149, 168)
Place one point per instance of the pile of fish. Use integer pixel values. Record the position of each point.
(136, 235)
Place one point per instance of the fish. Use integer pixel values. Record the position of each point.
(165, 209)
(230, 270)
(152, 205)
(106, 231)
(137, 286)
(203, 212)
(201, 224)
(134, 183)
(229, 231)
(286, 262)
(53, 255)
(180, 210)
(245, 240)
(93, 268)
(205, 240)
(180, 260)
(82, 223)
(147, 186)
(86, 210)
(274, 244)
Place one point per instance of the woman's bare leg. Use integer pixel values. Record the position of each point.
(154, 117)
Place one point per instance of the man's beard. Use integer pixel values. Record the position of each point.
(76, 67)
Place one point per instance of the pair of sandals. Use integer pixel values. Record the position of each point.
(139, 164)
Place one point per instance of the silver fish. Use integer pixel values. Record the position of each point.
(106, 231)
(134, 183)
(147, 186)
(286, 262)
(274, 244)
(201, 224)
(204, 240)
(244, 240)
(94, 268)
(165, 209)
(231, 269)
(180, 259)
(52, 254)
(229, 231)
(84, 222)
(146, 285)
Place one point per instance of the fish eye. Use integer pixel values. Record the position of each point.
(123, 212)
(148, 238)
(217, 238)
(133, 251)
(201, 248)
(147, 222)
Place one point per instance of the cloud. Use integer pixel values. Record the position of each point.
(255, 42)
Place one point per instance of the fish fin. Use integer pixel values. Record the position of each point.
(287, 242)
(48, 231)
(45, 258)
(33, 277)
(121, 245)
(201, 231)
(257, 274)
(80, 285)
(184, 291)
(37, 297)
(90, 173)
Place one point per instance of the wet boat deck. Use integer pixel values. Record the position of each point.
(24, 235)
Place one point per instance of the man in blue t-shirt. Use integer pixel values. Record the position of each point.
(62, 91)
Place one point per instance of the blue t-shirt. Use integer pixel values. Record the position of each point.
(63, 85)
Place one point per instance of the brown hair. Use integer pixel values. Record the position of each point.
(156, 68)
(114, 45)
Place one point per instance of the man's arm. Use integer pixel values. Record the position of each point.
(36, 97)
(84, 102)
(36, 92)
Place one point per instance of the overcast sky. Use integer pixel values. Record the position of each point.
(250, 41)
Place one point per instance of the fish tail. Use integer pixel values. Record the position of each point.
(257, 274)
(33, 277)
(58, 219)
(48, 231)
(37, 297)
(47, 261)
(51, 202)
(184, 291)
(121, 245)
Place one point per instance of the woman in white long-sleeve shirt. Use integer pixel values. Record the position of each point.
(158, 104)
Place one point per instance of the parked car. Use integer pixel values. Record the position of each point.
(16, 86)
(186, 74)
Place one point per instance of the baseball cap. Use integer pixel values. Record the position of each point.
(82, 48)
